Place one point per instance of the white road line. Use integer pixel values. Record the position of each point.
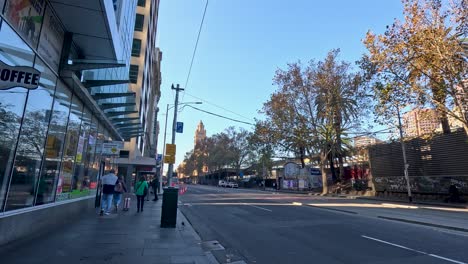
(447, 259)
(258, 207)
(414, 250)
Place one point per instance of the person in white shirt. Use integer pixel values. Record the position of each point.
(108, 182)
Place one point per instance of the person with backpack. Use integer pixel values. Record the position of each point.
(119, 190)
(141, 190)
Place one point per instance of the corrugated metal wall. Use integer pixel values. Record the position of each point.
(435, 164)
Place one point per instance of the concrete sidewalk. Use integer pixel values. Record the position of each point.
(123, 237)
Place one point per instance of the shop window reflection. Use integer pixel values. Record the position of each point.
(54, 145)
(13, 51)
(64, 185)
(93, 156)
(25, 174)
(26, 18)
(80, 176)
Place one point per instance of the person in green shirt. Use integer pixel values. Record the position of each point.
(141, 190)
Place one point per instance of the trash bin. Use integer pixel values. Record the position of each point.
(169, 207)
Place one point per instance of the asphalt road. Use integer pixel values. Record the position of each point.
(265, 227)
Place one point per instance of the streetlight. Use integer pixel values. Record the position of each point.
(164, 144)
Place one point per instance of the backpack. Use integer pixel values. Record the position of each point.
(118, 187)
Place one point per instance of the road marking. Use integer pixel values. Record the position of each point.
(258, 207)
(296, 203)
(414, 250)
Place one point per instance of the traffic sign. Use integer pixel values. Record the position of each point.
(170, 149)
(180, 127)
(159, 158)
(169, 159)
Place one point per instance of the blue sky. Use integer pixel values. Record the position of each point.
(243, 42)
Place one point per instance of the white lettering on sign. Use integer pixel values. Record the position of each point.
(18, 76)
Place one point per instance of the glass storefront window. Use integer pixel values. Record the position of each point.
(13, 51)
(54, 145)
(80, 175)
(64, 185)
(25, 174)
(93, 154)
(51, 40)
(26, 17)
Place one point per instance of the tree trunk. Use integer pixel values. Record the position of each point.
(302, 152)
(339, 144)
(445, 123)
(440, 96)
(332, 166)
(323, 160)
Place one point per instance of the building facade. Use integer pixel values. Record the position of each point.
(138, 154)
(364, 141)
(419, 122)
(64, 95)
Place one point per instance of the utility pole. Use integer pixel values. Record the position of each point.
(174, 127)
(400, 127)
(164, 150)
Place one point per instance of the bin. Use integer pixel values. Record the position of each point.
(169, 207)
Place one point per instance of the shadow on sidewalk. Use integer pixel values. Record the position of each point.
(122, 237)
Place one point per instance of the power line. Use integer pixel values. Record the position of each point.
(213, 104)
(196, 45)
(232, 119)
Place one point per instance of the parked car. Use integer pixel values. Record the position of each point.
(232, 185)
(222, 184)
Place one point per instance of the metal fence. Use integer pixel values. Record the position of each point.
(434, 164)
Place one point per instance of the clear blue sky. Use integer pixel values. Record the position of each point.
(243, 42)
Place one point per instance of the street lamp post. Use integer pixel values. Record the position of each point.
(165, 134)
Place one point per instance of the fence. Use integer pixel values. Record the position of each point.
(434, 164)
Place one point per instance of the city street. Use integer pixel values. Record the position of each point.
(265, 227)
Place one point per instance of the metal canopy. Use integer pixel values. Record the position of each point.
(81, 65)
(95, 83)
(93, 24)
(100, 96)
(123, 119)
(119, 113)
(126, 124)
(115, 105)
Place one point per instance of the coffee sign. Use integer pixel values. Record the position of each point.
(18, 76)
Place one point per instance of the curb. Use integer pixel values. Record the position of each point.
(211, 258)
(424, 223)
(406, 202)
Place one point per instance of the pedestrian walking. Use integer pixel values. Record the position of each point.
(119, 190)
(108, 184)
(141, 190)
(155, 186)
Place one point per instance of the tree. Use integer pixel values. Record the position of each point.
(339, 100)
(238, 147)
(424, 56)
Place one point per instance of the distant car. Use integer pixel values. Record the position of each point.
(222, 184)
(232, 185)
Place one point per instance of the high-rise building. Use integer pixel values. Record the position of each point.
(145, 81)
(66, 116)
(418, 122)
(364, 141)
